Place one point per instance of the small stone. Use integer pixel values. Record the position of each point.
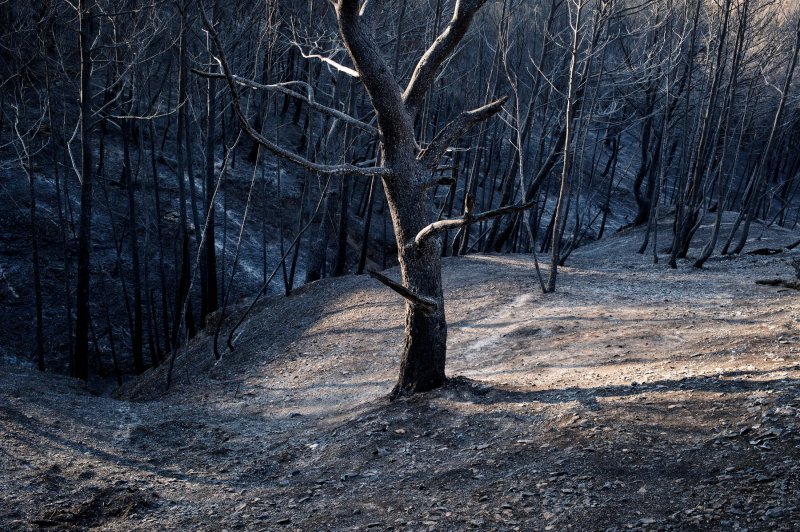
(777, 512)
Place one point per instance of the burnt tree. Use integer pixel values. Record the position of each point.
(405, 168)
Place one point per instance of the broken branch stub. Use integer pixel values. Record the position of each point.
(426, 303)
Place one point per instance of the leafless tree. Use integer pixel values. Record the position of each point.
(405, 171)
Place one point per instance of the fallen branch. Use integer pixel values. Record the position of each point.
(765, 251)
(426, 303)
(794, 285)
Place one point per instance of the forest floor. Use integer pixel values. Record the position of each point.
(636, 397)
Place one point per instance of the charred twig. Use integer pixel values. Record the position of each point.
(765, 251)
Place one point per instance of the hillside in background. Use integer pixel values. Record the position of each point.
(635, 397)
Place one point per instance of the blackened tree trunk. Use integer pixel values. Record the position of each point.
(567, 157)
(209, 248)
(80, 362)
(318, 252)
(643, 197)
(340, 260)
(422, 364)
(137, 332)
(725, 120)
(183, 306)
(362, 255)
(165, 321)
(25, 160)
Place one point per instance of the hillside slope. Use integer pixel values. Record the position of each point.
(635, 396)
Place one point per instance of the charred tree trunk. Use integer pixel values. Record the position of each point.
(80, 362)
(184, 318)
(37, 274)
(209, 240)
(138, 331)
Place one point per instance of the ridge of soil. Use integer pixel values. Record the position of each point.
(636, 397)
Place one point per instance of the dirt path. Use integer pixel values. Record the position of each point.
(635, 397)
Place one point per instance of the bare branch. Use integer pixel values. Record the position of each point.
(384, 91)
(338, 169)
(338, 66)
(284, 89)
(443, 225)
(426, 303)
(370, 9)
(318, 42)
(428, 65)
(453, 131)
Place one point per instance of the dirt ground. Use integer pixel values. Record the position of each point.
(636, 397)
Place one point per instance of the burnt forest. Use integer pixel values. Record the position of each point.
(400, 265)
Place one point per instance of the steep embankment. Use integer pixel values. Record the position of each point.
(636, 395)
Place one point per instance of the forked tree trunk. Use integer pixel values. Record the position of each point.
(422, 365)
